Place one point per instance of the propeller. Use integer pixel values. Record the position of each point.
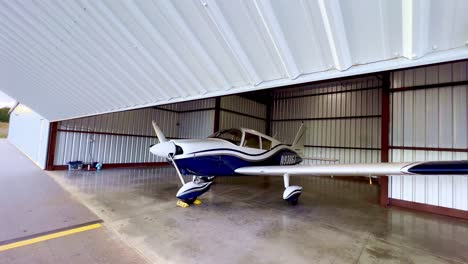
(159, 133)
(165, 149)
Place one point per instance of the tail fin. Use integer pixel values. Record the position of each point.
(159, 133)
(298, 143)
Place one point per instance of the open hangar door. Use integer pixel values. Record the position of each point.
(405, 115)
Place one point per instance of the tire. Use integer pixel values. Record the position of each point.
(190, 201)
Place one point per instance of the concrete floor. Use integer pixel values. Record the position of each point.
(26, 193)
(244, 220)
(96, 246)
(32, 204)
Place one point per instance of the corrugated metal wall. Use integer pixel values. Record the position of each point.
(29, 132)
(121, 137)
(430, 118)
(342, 118)
(237, 111)
(198, 124)
(124, 137)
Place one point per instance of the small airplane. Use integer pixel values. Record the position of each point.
(237, 152)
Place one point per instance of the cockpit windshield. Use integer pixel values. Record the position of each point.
(232, 135)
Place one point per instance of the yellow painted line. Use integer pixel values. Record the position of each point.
(48, 237)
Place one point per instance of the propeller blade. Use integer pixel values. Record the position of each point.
(165, 149)
(159, 133)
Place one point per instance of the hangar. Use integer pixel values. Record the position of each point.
(385, 83)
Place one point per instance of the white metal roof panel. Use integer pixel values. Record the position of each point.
(68, 59)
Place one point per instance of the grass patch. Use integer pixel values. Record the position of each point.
(3, 129)
(4, 117)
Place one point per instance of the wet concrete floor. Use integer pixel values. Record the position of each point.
(245, 220)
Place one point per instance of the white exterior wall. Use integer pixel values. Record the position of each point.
(335, 134)
(136, 133)
(29, 132)
(245, 106)
(431, 118)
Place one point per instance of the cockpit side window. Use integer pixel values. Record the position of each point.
(266, 144)
(251, 141)
(232, 135)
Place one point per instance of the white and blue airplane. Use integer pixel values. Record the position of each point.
(236, 152)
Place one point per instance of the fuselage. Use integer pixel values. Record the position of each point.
(219, 157)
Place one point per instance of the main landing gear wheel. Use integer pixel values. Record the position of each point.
(291, 193)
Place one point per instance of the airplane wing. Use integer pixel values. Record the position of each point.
(370, 169)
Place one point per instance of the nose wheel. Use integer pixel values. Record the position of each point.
(190, 201)
(190, 191)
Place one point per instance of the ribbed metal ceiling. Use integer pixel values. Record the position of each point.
(72, 58)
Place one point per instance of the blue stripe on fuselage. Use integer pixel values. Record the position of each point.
(235, 150)
(226, 164)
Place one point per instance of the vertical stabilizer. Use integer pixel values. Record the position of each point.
(298, 143)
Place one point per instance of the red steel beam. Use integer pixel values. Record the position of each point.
(53, 127)
(384, 139)
(216, 115)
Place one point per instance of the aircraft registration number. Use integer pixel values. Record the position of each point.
(288, 159)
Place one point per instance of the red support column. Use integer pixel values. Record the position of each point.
(51, 145)
(217, 113)
(385, 128)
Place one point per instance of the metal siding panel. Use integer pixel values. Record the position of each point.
(419, 117)
(432, 115)
(442, 113)
(196, 124)
(113, 148)
(460, 117)
(230, 120)
(397, 120)
(445, 118)
(256, 42)
(339, 132)
(408, 120)
(243, 105)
